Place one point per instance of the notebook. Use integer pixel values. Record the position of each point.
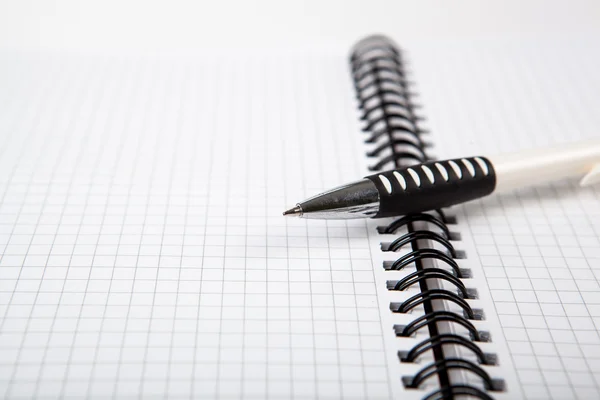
(144, 254)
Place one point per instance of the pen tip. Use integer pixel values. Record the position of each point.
(294, 212)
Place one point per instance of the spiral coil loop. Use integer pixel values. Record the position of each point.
(453, 363)
(423, 320)
(392, 126)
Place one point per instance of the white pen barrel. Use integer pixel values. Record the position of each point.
(537, 166)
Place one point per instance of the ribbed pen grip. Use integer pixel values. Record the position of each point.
(433, 185)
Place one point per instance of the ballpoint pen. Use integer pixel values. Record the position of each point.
(439, 184)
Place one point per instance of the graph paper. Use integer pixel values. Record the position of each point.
(537, 250)
(144, 254)
(143, 249)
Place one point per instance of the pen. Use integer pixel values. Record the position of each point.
(438, 184)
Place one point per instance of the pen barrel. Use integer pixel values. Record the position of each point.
(537, 166)
(433, 185)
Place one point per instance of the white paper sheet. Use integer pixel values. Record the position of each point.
(535, 253)
(144, 254)
(143, 249)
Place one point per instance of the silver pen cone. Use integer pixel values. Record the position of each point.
(355, 200)
(294, 212)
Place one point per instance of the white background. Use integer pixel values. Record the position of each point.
(190, 25)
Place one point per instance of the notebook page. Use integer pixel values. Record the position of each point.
(534, 253)
(143, 249)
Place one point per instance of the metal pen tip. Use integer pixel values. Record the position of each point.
(294, 212)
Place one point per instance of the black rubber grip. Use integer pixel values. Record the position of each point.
(433, 185)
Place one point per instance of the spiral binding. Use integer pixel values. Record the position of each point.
(388, 111)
